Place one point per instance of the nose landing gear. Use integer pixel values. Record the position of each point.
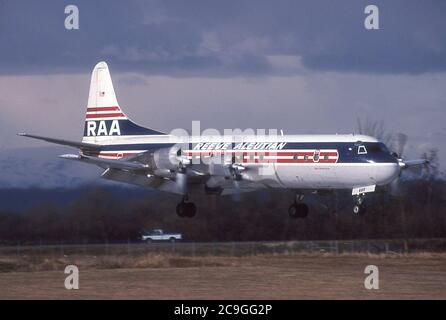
(359, 208)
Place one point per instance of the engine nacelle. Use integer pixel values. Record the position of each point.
(165, 159)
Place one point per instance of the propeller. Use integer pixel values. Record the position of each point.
(401, 141)
(227, 173)
(236, 177)
(235, 174)
(181, 173)
(396, 185)
(430, 168)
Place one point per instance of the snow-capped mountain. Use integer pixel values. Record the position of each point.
(41, 167)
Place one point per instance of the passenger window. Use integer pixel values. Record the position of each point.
(362, 150)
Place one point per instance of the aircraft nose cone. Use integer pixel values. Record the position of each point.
(395, 171)
(388, 173)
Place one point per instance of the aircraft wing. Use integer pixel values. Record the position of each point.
(241, 187)
(135, 170)
(75, 144)
(132, 172)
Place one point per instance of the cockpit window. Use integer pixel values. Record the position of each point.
(362, 150)
(374, 147)
(383, 147)
(377, 147)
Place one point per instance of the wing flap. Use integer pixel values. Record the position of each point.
(140, 179)
(106, 163)
(135, 178)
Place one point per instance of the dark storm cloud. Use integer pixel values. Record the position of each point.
(221, 38)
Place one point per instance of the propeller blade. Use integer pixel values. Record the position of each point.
(181, 181)
(237, 196)
(401, 140)
(395, 188)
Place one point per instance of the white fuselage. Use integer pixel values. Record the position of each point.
(288, 161)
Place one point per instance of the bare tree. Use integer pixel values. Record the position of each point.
(375, 129)
(431, 171)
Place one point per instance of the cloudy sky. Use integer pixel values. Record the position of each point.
(300, 66)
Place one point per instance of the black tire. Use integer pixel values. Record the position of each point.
(191, 209)
(181, 209)
(292, 211)
(186, 209)
(359, 209)
(298, 210)
(302, 210)
(172, 239)
(148, 241)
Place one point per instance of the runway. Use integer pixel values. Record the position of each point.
(262, 276)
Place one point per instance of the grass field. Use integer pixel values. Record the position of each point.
(260, 276)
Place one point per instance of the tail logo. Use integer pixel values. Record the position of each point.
(103, 128)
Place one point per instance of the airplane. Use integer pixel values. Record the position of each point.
(226, 164)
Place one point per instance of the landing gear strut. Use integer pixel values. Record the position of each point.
(298, 209)
(359, 208)
(186, 209)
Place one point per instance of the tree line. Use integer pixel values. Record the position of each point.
(411, 207)
(98, 215)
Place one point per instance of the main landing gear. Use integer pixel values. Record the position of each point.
(359, 208)
(298, 209)
(186, 209)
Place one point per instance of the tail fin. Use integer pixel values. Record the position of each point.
(104, 117)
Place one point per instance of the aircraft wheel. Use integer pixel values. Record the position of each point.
(181, 209)
(298, 210)
(303, 210)
(191, 209)
(186, 209)
(292, 211)
(359, 209)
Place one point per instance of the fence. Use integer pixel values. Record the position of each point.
(390, 246)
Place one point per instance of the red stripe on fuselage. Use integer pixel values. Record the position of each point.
(306, 161)
(260, 153)
(245, 156)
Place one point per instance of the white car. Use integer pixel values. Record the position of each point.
(160, 235)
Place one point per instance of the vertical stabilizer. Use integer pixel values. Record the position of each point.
(105, 121)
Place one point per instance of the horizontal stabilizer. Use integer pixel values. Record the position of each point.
(81, 145)
(106, 163)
